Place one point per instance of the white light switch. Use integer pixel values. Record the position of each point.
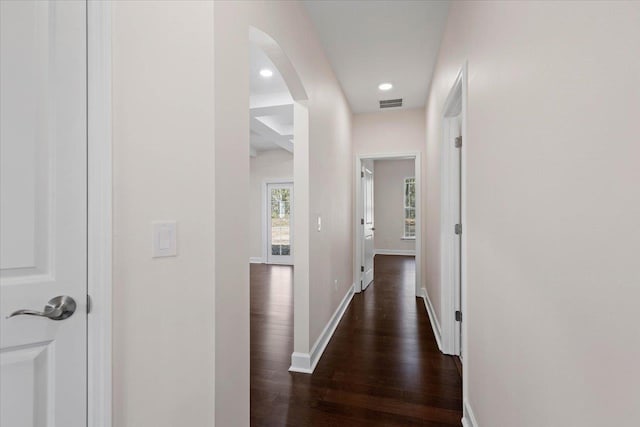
(319, 223)
(163, 237)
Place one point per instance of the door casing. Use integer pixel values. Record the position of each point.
(99, 208)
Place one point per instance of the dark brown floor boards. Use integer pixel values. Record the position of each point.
(381, 368)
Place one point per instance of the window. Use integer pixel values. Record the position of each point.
(409, 208)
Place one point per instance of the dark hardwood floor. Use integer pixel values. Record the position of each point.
(381, 368)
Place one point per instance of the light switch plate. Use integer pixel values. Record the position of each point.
(163, 239)
(319, 223)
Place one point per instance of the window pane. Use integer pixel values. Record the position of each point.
(280, 221)
(410, 205)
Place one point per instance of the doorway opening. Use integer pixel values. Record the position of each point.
(387, 214)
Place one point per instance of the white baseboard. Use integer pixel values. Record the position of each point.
(432, 318)
(405, 252)
(468, 419)
(306, 362)
(256, 260)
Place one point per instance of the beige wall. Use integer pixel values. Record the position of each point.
(267, 165)
(552, 208)
(163, 168)
(388, 186)
(327, 158)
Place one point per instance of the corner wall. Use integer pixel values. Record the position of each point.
(552, 208)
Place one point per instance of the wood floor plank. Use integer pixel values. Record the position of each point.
(381, 368)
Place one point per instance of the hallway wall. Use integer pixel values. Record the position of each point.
(388, 211)
(272, 164)
(163, 168)
(326, 157)
(552, 208)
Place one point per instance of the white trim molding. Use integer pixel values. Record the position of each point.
(99, 203)
(468, 418)
(433, 319)
(404, 252)
(306, 362)
(256, 260)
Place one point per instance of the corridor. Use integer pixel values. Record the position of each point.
(382, 366)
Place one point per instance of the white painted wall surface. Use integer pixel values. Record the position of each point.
(552, 208)
(267, 165)
(388, 187)
(163, 151)
(328, 160)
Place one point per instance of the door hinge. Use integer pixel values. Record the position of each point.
(458, 316)
(89, 304)
(458, 141)
(362, 221)
(362, 268)
(458, 229)
(361, 174)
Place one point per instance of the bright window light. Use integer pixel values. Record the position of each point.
(385, 86)
(265, 72)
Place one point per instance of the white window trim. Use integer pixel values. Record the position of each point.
(404, 207)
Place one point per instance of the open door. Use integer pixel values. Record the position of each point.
(368, 234)
(43, 213)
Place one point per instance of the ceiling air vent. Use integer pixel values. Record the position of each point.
(390, 103)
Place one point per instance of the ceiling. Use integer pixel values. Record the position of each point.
(371, 42)
(271, 107)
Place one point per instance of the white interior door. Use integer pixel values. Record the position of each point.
(43, 216)
(280, 223)
(368, 233)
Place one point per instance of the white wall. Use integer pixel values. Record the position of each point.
(552, 208)
(388, 186)
(267, 165)
(326, 158)
(163, 168)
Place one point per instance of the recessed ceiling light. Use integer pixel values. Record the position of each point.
(265, 72)
(385, 86)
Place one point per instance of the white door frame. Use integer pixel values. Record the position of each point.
(358, 212)
(265, 217)
(453, 297)
(99, 205)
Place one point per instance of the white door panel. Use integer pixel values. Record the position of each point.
(42, 211)
(369, 224)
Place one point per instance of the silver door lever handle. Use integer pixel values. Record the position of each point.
(58, 308)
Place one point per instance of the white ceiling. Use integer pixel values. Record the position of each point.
(371, 42)
(271, 106)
